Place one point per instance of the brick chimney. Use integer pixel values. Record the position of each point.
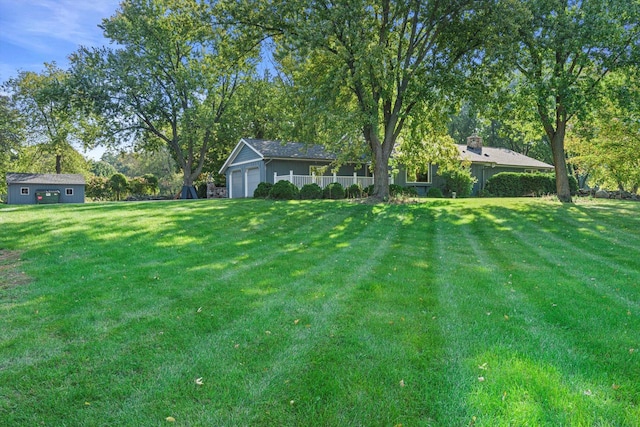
(474, 142)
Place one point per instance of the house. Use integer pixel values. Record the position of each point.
(31, 188)
(254, 160)
(485, 162)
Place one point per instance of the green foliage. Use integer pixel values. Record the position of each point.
(514, 184)
(311, 191)
(170, 79)
(98, 188)
(354, 191)
(396, 190)
(118, 184)
(262, 190)
(284, 190)
(102, 168)
(434, 192)
(335, 190)
(378, 72)
(459, 180)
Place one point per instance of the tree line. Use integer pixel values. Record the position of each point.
(555, 79)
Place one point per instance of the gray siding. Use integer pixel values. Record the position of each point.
(246, 154)
(301, 167)
(15, 196)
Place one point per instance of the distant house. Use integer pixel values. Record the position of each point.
(254, 160)
(32, 188)
(485, 162)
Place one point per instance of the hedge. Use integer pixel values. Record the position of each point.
(515, 184)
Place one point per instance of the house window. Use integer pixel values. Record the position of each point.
(419, 175)
(24, 191)
(68, 191)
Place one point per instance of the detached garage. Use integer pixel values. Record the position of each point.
(32, 188)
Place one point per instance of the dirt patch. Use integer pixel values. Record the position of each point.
(10, 273)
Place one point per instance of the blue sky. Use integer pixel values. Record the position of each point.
(33, 32)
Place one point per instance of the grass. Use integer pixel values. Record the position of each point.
(486, 312)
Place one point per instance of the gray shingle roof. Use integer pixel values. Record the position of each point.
(45, 178)
(500, 157)
(290, 150)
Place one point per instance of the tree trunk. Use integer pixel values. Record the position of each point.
(58, 163)
(381, 153)
(560, 164)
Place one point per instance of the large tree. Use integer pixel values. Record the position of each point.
(169, 79)
(43, 102)
(367, 68)
(606, 145)
(562, 51)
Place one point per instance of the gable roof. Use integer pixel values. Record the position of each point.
(269, 149)
(500, 157)
(45, 179)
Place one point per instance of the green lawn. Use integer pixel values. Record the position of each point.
(486, 312)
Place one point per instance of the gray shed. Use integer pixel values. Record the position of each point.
(34, 188)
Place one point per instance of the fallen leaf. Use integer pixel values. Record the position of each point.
(171, 419)
(481, 379)
(295, 322)
(267, 332)
(615, 386)
(588, 393)
(87, 403)
(504, 396)
(402, 383)
(292, 402)
(199, 381)
(236, 346)
(631, 350)
(483, 366)
(506, 317)
(199, 310)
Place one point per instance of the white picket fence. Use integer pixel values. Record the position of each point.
(301, 180)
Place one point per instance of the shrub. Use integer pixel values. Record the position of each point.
(459, 180)
(434, 192)
(284, 190)
(395, 190)
(354, 191)
(410, 191)
(335, 190)
(311, 191)
(513, 184)
(262, 190)
(368, 190)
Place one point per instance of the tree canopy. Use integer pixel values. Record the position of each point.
(558, 58)
(170, 78)
(374, 68)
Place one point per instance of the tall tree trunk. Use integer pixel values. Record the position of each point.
(560, 163)
(381, 153)
(58, 163)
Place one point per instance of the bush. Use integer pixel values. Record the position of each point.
(410, 191)
(434, 192)
(395, 190)
(459, 181)
(262, 190)
(368, 190)
(311, 191)
(335, 190)
(514, 184)
(284, 190)
(354, 191)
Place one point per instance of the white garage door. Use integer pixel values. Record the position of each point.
(253, 179)
(236, 184)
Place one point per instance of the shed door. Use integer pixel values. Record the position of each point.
(253, 179)
(236, 184)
